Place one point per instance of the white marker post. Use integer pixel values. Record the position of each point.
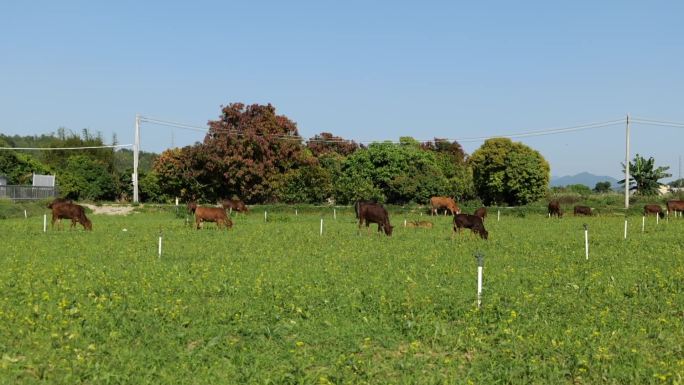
(498, 215)
(657, 218)
(265, 216)
(625, 228)
(296, 212)
(45, 223)
(321, 226)
(25, 215)
(160, 242)
(480, 266)
(404, 222)
(230, 210)
(335, 214)
(586, 241)
(643, 223)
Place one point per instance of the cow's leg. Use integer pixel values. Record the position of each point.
(198, 222)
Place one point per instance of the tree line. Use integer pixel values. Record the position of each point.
(253, 153)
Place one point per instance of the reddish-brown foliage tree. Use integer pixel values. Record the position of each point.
(246, 152)
(326, 142)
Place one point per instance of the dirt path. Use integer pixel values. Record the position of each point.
(110, 209)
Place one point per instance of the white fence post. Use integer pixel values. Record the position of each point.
(480, 267)
(404, 222)
(25, 215)
(160, 243)
(498, 215)
(625, 228)
(321, 226)
(643, 223)
(335, 214)
(265, 216)
(586, 241)
(45, 223)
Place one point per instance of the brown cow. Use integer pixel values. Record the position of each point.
(555, 209)
(472, 222)
(371, 212)
(66, 210)
(654, 209)
(210, 214)
(675, 206)
(444, 203)
(481, 212)
(582, 210)
(234, 205)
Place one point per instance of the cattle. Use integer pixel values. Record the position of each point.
(555, 209)
(675, 206)
(371, 212)
(446, 203)
(417, 224)
(360, 203)
(210, 214)
(66, 210)
(472, 222)
(654, 209)
(582, 210)
(481, 212)
(234, 205)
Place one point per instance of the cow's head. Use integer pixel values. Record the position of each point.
(388, 229)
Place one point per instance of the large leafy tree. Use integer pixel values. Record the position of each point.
(390, 172)
(509, 172)
(644, 175)
(246, 152)
(452, 160)
(86, 178)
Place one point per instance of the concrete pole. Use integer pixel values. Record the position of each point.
(136, 149)
(627, 164)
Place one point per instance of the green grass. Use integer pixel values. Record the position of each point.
(275, 303)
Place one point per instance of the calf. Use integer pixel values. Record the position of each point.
(472, 222)
(65, 210)
(654, 209)
(370, 212)
(423, 224)
(582, 210)
(555, 209)
(210, 214)
(234, 204)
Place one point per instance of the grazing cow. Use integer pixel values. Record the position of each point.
(444, 203)
(66, 210)
(416, 224)
(675, 206)
(210, 214)
(654, 209)
(481, 212)
(555, 209)
(582, 210)
(234, 204)
(371, 212)
(472, 222)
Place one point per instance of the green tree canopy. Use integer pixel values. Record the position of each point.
(602, 187)
(509, 172)
(85, 178)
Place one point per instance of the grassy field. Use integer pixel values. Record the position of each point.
(276, 303)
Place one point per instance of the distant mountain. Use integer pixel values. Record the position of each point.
(584, 178)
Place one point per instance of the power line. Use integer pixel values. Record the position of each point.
(656, 122)
(64, 148)
(236, 132)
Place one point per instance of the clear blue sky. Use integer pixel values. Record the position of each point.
(359, 69)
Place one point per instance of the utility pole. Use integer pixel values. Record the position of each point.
(627, 165)
(136, 149)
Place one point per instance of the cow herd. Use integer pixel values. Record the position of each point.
(367, 212)
(673, 207)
